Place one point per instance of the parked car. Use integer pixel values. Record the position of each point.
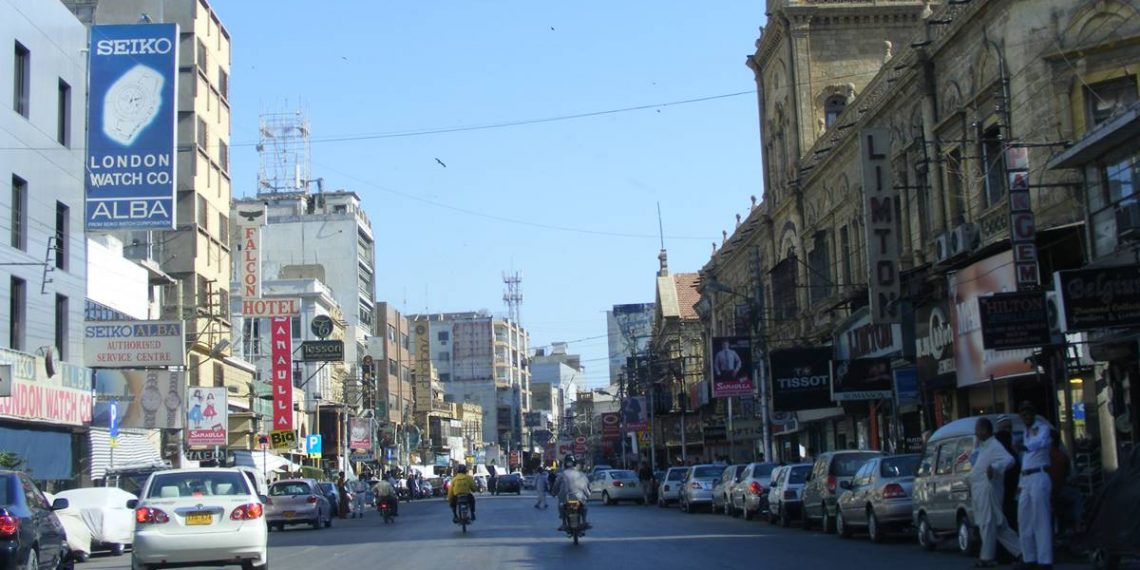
(297, 501)
(722, 490)
(878, 498)
(941, 487)
(616, 485)
(784, 504)
(329, 492)
(600, 467)
(750, 494)
(30, 531)
(508, 484)
(528, 482)
(669, 489)
(199, 517)
(78, 535)
(822, 488)
(697, 487)
(104, 511)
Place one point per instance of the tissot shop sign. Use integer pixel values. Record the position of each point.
(134, 344)
(801, 379)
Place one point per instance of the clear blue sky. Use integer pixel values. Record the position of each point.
(383, 67)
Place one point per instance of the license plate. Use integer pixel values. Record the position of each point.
(289, 514)
(199, 519)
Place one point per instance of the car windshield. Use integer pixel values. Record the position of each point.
(846, 464)
(763, 469)
(901, 466)
(675, 475)
(707, 472)
(798, 474)
(196, 484)
(622, 474)
(293, 488)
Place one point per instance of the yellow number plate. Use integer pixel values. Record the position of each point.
(199, 519)
(289, 514)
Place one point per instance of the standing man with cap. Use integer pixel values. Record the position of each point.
(1034, 511)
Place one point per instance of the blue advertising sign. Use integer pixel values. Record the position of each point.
(906, 387)
(313, 444)
(133, 74)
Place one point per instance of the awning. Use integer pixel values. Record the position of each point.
(136, 448)
(263, 461)
(46, 453)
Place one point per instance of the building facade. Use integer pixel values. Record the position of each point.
(555, 379)
(628, 328)
(393, 397)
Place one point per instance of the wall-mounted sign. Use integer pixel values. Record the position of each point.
(360, 433)
(64, 398)
(321, 326)
(249, 246)
(134, 344)
(148, 399)
(934, 346)
(974, 363)
(281, 372)
(880, 205)
(732, 367)
(1014, 320)
(207, 416)
(1092, 299)
(861, 379)
(322, 350)
(270, 308)
(801, 379)
(283, 439)
(1022, 227)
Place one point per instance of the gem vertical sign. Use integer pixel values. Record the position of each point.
(1022, 226)
(880, 205)
(281, 355)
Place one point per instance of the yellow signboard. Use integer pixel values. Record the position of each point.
(283, 439)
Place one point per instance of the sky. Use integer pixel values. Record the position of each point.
(570, 204)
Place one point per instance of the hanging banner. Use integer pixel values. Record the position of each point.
(281, 354)
(132, 78)
(360, 433)
(1022, 227)
(906, 387)
(880, 205)
(732, 367)
(611, 425)
(636, 413)
(974, 363)
(1014, 320)
(801, 379)
(861, 379)
(207, 417)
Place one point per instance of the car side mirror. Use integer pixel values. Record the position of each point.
(844, 484)
(59, 504)
(264, 499)
(133, 504)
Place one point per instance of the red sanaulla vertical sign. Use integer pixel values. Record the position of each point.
(281, 371)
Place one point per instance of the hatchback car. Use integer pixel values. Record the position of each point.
(750, 495)
(669, 489)
(508, 484)
(616, 485)
(297, 501)
(878, 498)
(31, 535)
(191, 517)
(697, 487)
(822, 488)
(722, 491)
(784, 503)
(329, 492)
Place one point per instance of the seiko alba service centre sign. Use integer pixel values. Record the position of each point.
(133, 73)
(134, 344)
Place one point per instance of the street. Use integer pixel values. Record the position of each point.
(511, 534)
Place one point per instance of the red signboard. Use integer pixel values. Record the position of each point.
(611, 425)
(280, 370)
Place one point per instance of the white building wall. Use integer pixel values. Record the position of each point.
(53, 171)
(115, 281)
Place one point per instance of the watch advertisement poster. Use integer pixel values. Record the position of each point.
(207, 416)
(130, 166)
(148, 399)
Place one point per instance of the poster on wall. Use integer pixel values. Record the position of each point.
(360, 433)
(207, 416)
(636, 413)
(732, 366)
(148, 399)
(974, 363)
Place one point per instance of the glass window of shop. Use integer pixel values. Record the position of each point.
(1114, 207)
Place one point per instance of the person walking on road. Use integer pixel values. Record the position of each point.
(342, 496)
(359, 494)
(990, 461)
(645, 479)
(1034, 508)
(540, 481)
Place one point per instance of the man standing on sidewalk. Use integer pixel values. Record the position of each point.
(645, 479)
(990, 461)
(1034, 507)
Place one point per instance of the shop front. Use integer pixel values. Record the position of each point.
(863, 379)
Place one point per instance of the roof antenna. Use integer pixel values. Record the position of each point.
(663, 257)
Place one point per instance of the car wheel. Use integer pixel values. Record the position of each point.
(926, 537)
(661, 503)
(81, 556)
(118, 549)
(606, 498)
(252, 566)
(328, 521)
(827, 523)
(1103, 560)
(316, 524)
(748, 515)
(966, 543)
(841, 527)
(873, 531)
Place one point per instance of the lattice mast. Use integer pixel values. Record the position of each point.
(283, 149)
(512, 296)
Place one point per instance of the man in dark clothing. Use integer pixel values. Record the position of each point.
(645, 479)
(1004, 435)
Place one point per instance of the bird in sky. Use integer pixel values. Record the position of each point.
(441, 163)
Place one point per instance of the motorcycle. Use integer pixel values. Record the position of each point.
(385, 508)
(574, 521)
(463, 511)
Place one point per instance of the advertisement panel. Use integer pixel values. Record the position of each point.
(973, 362)
(934, 346)
(132, 78)
(360, 433)
(148, 399)
(134, 344)
(801, 379)
(861, 379)
(207, 416)
(880, 205)
(61, 399)
(906, 387)
(1092, 299)
(611, 425)
(1014, 320)
(322, 350)
(732, 367)
(281, 354)
(636, 413)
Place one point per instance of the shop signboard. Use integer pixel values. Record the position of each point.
(134, 344)
(611, 425)
(732, 367)
(1014, 320)
(880, 204)
(801, 379)
(207, 416)
(322, 350)
(281, 371)
(973, 362)
(1098, 298)
(636, 411)
(360, 433)
(934, 346)
(64, 398)
(861, 379)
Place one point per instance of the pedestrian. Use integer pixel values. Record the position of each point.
(359, 494)
(540, 482)
(645, 479)
(1004, 435)
(1066, 499)
(342, 496)
(990, 461)
(1034, 504)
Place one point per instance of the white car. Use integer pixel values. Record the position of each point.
(616, 485)
(189, 517)
(104, 510)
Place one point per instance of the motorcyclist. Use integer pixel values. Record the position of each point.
(571, 484)
(383, 490)
(462, 485)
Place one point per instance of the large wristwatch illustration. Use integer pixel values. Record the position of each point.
(151, 399)
(131, 104)
(173, 403)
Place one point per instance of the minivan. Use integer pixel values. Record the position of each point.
(941, 484)
(822, 487)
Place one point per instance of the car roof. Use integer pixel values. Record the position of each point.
(965, 426)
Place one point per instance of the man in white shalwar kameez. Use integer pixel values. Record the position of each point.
(990, 461)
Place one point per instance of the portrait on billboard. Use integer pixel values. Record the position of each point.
(732, 367)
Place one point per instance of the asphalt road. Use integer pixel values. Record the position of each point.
(511, 534)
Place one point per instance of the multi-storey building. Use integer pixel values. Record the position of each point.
(554, 379)
(42, 258)
(628, 328)
(391, 393)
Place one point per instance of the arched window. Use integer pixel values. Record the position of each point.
(832, 108)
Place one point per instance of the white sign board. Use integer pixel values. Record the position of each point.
(270, 308)
(134, 344)
(880, 210)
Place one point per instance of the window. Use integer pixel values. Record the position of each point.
(17, 303)
(946, 457)
(784, 288)
(956, 185)
(61, 326)
(962, 463)
(251, 337)
(223, 155)
(223, 83)
(62, 226)
(203, 213)
(201, 56)
(219, 375)
(21, 79)
(19, 213)
(391, 333)
(203, 134)
(295, 327)
(1113, 204)
(405, 341)
(993, 165)
(393, 367)
(845, 255)
(445, 377)
(223, 226)
(1105, 99)
(820, 264)
(443, 336)
(832, 108)
(63, 114)
(203, 293)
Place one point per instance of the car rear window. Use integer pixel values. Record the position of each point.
(196, 484)
(708, 471)
(622, 474)
(283, 489)
(901, 466)
(846, 464)
(798, 474)
(763, 469)
(675, 475)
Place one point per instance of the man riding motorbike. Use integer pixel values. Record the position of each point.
(462, 485)
(571, 484)
(384, 491)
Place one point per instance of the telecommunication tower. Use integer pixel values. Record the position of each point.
(513, 295)
(283, 147)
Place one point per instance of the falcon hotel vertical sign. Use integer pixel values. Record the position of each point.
(130, 165)
(880, 209)
(281, 355)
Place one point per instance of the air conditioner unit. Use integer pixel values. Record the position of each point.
(963, 239)
(942, 248)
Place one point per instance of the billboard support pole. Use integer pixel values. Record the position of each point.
(731, 437)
